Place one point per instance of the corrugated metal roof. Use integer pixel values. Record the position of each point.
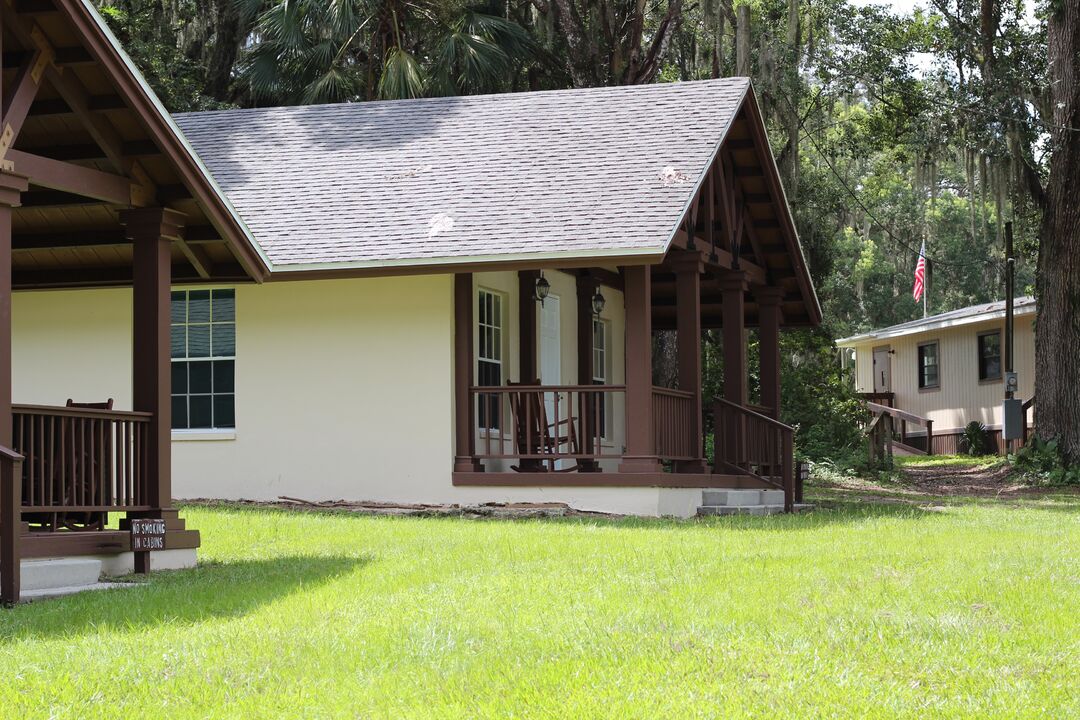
(583, 173)
(963, 316)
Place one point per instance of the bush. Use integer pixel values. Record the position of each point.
(1042, 461)
(975, 440)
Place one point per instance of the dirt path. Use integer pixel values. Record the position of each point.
(921, 484)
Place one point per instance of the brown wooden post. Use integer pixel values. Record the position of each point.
(11, 188)
(640, 453)
(586, 288)
(152, 232)
(527, 371)
(768, 299)
(688, 267)
(464, 407)
(733, 287)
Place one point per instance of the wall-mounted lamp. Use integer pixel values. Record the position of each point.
(542, 289)
(598, 302)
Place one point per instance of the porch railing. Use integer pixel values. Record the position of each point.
(534, 423)
(80, 463)
(750, 443)
(901, 420)
(674, 424)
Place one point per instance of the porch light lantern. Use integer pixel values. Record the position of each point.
(543, 287)
(598, 302)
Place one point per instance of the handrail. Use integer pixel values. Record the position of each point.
(545, 388)
(10, 524)
(899, 414)
(755, 444)
(1028, 404)
(764, 418)
(80, 412)
(673, 392)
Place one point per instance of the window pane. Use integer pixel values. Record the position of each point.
(993, 368)
(223, 339)
(199, 412)
(179, 412)
(178, 334)
(224, 411)
(198, 341)
(223, 376)
(179, 378)
(224, 305)
(179, 308)
(199, 377)
(199, 306)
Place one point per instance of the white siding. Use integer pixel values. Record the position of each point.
(961, 397)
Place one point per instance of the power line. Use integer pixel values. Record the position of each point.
(883, 226)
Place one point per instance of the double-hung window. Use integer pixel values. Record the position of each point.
(489, 369)
(929, 369)
(990, 355)
(600, 371)
(203, 359)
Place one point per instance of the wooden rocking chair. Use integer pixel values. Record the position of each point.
(536, 434)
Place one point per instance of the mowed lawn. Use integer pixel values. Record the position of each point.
(970, 610)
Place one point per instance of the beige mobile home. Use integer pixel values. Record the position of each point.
(947, 368)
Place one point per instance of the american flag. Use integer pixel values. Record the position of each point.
(920, 274)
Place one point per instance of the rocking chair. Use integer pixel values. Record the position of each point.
(74, 519)
(536, 434)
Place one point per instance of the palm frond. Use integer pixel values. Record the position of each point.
(402, 76)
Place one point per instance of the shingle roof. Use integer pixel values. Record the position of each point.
(586, 173)
(963, 316)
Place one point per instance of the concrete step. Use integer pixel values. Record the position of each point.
(707, 510)
(50, 574)
(731, 498)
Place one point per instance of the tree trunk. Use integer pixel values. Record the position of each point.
(742, 42)
(1057, 330)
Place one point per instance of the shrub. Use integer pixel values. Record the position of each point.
(975, 440)
(1042, 461)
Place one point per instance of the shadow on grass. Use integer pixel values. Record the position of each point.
(211, 591)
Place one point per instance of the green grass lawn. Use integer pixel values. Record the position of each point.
(968, 610)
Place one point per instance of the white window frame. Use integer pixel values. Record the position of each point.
(213, 432)
(496, 328)
(601, 370)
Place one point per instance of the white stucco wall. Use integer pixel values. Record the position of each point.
(344, 389)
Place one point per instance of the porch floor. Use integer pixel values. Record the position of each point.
(605, 479)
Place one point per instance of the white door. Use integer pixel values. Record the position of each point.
(882, 370)
(550, 354)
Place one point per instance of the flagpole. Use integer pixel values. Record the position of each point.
(926, 280)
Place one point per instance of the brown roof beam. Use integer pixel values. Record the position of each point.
(739, 144)
(113, 276)
(65, 57)
(35, 7)
(757, 198)
(75, 179)
(90, 151)
(70, 239)
(749, 171)
(54, 198)
(57, 106)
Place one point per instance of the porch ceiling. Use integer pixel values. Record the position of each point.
(94, 142)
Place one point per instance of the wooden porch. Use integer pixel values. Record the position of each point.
(95, 199)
